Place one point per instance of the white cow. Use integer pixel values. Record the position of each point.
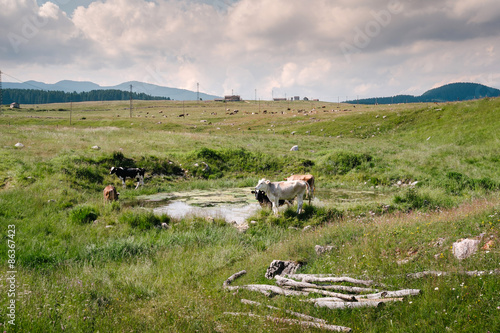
(286, 190)
(307, 178)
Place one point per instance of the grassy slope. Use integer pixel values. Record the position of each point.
(86, 277)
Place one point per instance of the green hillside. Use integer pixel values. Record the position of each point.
(460, 91)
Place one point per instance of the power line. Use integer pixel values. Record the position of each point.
(23, 82)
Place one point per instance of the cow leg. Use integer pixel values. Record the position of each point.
(123, 181)
(275, 208)
(299, 204)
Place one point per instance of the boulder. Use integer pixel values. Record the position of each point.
(294, 148)
(464, 248)
(279, 267)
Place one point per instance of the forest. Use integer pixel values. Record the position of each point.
(35, 96)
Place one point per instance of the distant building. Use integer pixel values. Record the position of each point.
(14, 105)
(279, 99)
(296, 98)
(232, 98)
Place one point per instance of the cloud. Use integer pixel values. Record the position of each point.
(321, 48)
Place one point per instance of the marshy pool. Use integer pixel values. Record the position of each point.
(239, 204)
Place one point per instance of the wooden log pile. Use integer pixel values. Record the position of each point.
(336, 296)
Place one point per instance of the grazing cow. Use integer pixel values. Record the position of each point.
(110, 193)
(124, 173)
(307, 178)
(286, 190)
(264, 200)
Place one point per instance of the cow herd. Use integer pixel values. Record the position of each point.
(271, 194)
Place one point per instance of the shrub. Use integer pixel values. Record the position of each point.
(143, 220)
(342, 162)
(84, 214)
(411, 200)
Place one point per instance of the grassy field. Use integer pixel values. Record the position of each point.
(81, 265)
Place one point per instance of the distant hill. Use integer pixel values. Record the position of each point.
(137, 87)
(447, 93)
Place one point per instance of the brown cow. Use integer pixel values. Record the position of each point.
(307, 178)
(110, 193)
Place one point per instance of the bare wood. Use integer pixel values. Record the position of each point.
(438, 273)
(268, 290)
(390, 294)
(347, 298)
(326, 299)
(233, 277)
(385, 300)
(345, 305)
(297, 285)
(328, 278)
(356, 290)
(297, 314)
(333, 328)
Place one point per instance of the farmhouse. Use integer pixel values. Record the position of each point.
(232, 98)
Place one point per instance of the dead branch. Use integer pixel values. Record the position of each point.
(390, 294)
(328, 278)
(233, 277)
(344, 297)
(333, 328)
(345, 305)
(297, 314)
(297, 285)
(268, 290)
(438, 273)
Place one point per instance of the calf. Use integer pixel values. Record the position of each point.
(110, 193)
(286, 190)
(124, 173)
(307, 178)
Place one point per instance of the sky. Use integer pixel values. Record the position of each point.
(326, 49)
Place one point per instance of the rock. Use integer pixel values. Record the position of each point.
(294, 148)
(279, 267)
(322, 249)
(19, 145)
(96, 147)
(164, 225)
(465, 248)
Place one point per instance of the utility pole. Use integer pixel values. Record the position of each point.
(130, 101)
(70, 110)
(198, 91)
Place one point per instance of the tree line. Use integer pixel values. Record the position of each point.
(35, 96)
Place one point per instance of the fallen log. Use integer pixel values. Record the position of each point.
(297, 314)
(346, 298)
(327, 278)
(333, 328)
(390, 294)
(268, 290)
(346, 305)
(233, 277)
(438, 273)
(297, 285)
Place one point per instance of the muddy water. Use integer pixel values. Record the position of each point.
(239, 204)
(232, 205)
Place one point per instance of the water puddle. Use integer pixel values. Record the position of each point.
(232, 205)
(239, 204)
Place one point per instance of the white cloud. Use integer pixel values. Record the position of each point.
(293, 46)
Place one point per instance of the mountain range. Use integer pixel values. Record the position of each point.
(460, 91)
(137, 87)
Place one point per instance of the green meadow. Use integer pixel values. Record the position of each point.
(72, 262)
